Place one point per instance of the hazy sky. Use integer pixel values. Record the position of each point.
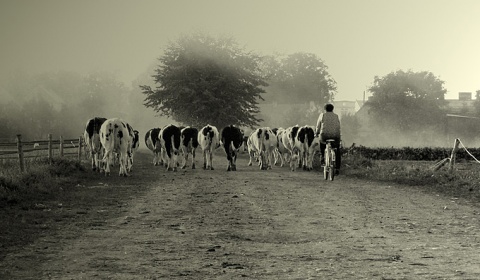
(357, 39)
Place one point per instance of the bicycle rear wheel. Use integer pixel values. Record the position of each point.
(331, 171)
(326, 167)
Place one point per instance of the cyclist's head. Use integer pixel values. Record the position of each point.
(328, 107)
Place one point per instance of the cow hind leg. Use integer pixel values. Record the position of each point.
(210, 160)
(185, 159)
(204, 160)
(106, 163)
(123, 161)
(94, 168)
(193, 160)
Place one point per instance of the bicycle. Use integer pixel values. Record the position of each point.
(329, 156)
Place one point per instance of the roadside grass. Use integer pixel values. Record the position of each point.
(41, 180)
(462, 181)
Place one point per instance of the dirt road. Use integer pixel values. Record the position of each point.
(252, 224)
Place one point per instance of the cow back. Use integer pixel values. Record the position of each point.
(189, 135)
(232, 135)
(208, 137)
(114, 135)
(151, 139)
(93, 126)
(170, 136)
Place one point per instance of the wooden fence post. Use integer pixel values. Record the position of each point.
(20, 152)
(50, 152)
(61, 146)
(80, 149)
(453, 155)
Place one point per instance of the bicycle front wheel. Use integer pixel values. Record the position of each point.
(326, 167)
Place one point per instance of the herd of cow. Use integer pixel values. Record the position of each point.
(111, 140)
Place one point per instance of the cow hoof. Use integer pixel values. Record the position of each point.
(193, 166)
(183, 167)
(211, 168)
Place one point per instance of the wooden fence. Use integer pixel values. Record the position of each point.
(39, 149)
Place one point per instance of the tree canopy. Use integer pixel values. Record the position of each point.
(205, 80)
(407, 100)
(298, 78)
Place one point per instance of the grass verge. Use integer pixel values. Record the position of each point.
(462, 181)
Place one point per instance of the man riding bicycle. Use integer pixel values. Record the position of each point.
(328, 127)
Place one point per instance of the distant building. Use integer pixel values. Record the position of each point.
(347, 107)
(463, 106)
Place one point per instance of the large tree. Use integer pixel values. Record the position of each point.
(406, 101)
(298, 78)
(202, 79)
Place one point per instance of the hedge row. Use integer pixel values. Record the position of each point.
(408, 153)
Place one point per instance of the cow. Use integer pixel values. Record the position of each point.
(91, 138)
(276, 153)
(232, 139)
(134, 144)
(270, 143)
(115, 138)
(188, 144)
(307, 144)
(262, 143)
(208, 139)
(246, 133)
(153, 144)
(288, 140)
(255, 147)
(282, 151)
(170, 140)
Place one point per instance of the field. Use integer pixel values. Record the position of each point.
(249, 224)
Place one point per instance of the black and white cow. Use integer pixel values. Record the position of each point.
(208, 138)
(189, 143)
(153, 144)
(91, 137)
(288, 139)
(232, 139)
(135, 143)
(262, 144)
(282, 151)
(115, 138)
(170, 140)
(307, 144)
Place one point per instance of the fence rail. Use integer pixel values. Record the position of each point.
(34, 149)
